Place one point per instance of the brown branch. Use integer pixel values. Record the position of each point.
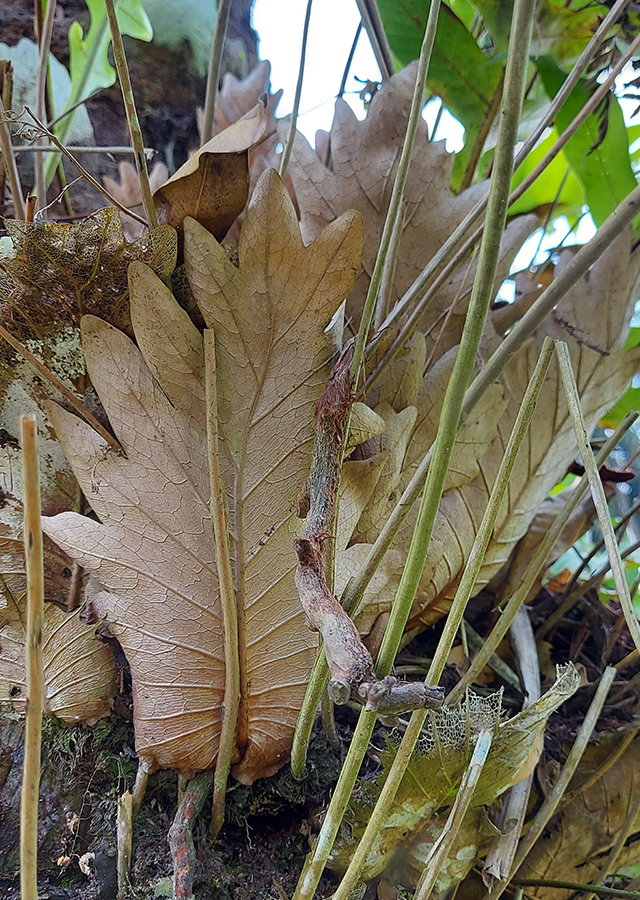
(181, 834)
(350, 663)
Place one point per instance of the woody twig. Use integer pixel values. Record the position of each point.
(350, 663)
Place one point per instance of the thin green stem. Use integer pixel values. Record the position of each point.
(577, 886)
(92, 181)
(41, 86)
(441, 848)
(232, 694)
(503, 624)
(133, 122)
(587, 255)
(288, 147)
(553, 798)
(456, 613)
(304, 726)
(481, 295)
(452, 244)
(215, 67)
(597, 490)
(393, 222)
(377, 36)
(33, 664)
(316, 861)
(452, 407)
(397, 193)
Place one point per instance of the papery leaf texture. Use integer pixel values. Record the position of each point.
(80, 678)
(151, 553)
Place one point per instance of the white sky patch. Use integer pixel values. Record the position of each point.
(331, 33)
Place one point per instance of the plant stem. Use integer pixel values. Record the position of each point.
(316, 861)
(215, 67)
(452, 244)
(577, 886)
(132, 116)
(553, 798)
(393, 222)
(232, 693)
(520, 594)
(124, 840)
(291, 135)
(33, 664)
(393, 217)
(467, 352)
(463, 593)
(44, 39)
(347, 67)
(92, 181)
(440, 850)
(10, 165)
(587, 255)
(181, 835)
(377, 36)
(614, 853)
(597, 490)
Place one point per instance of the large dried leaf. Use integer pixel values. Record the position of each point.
(213, 185)
(79, 671)
(433, 775)
(152, 551)
(364, 159)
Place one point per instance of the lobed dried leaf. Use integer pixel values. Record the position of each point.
(151, 553)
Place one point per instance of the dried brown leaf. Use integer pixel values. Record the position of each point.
(79, 671)
(364, 159)
(152, 551)
(213, 185)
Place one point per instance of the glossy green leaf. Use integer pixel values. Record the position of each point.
(605, 172)
(628, 402)
(548, 188)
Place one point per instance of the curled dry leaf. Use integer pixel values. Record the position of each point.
(364, 159)
(151, 553)
(433, 775)
(213, 185)
(79, 671)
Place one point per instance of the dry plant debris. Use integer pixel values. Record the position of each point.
(151, 554)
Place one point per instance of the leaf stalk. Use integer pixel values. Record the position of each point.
(220, 525)
(33, 664)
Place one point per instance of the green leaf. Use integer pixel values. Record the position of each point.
(633, 339)
(605, 173)
(548, 188)
(89, 64)
(459, 73)
(628, 402)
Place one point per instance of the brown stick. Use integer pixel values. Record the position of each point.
(181, 835)
(349, 661)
